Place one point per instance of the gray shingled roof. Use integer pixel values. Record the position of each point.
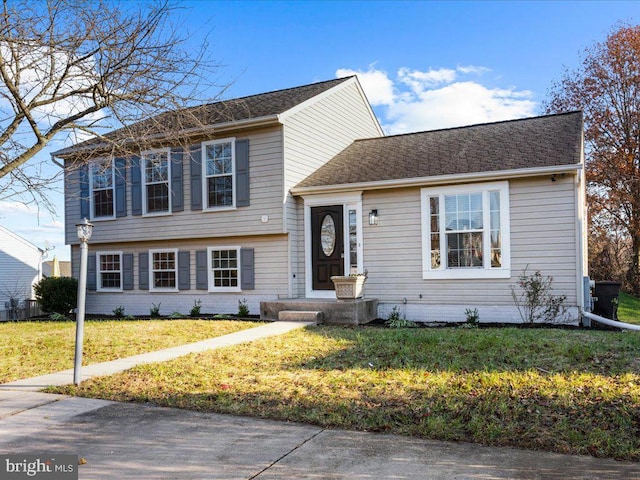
(238, 109)
(551, 140)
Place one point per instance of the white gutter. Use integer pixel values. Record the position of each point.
(611, 323)
(438, 180)
(217, 127)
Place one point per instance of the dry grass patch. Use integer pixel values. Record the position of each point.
(559, 390)
(34, 348)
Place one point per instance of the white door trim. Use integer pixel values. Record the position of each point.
(349, 201)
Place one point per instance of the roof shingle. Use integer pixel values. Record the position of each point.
(550, 140)
(234, 110)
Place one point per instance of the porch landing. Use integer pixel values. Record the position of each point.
(334, 312)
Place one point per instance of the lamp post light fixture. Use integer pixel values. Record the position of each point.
(84, 234)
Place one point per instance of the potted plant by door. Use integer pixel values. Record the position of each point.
(349, 287)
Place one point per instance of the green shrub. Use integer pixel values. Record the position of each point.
(154, 311)
(195, 310)
(57, 295)
(118, 312)
(243, 308)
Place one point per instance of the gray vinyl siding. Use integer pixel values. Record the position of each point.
(316, 134)
(266, 190)
(270, 257)
(543, 236)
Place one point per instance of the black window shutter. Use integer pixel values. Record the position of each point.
(121, 187)
(83, 171)
(177, 194)
(91, 272)
(184, 270)
(195, 152)
(127, 271)
(202, 273)
(247, 274)
(136, 186)
(143, 271)
(242, 173)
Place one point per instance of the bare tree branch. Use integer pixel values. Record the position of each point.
(81, 68)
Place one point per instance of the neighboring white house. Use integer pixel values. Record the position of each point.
(270, 195)
(20, 269)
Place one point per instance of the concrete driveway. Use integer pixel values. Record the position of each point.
(129, 441)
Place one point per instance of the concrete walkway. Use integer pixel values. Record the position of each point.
(123, 441)
(65, 377)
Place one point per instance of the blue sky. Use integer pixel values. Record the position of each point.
(423, 65)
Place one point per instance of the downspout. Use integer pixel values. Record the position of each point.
(609, 322)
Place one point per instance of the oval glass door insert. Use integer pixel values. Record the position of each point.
(328, 235)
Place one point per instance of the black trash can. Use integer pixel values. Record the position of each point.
(606, 305)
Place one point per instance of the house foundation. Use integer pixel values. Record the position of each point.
(332, 312)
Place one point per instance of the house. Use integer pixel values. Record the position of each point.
(268, 196)
(20, 270)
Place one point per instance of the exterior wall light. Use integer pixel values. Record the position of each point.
(373, 217)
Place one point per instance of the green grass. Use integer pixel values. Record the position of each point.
(567, 391)
(629, 309)
(34, 348)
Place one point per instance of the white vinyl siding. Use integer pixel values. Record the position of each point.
(109, 271)
(20, 267)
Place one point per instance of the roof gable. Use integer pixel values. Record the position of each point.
(253, 107)
(538, 142)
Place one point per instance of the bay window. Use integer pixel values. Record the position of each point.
(466, 231)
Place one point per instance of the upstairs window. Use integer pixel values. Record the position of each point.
(219, 173)
(102, 183)
(156, 186)
(466, 231)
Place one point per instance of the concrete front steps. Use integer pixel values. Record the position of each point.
(328, 311)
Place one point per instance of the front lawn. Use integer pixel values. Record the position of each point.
(35, 348)
(568, 391)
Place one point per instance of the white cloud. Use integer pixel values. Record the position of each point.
(376, 84)
(416, 100)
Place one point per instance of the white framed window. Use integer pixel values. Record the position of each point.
(219, 176)
(224, 269)
(109, 269)
(156, 185)
(163, 270)
(102, 186)
(466, 231)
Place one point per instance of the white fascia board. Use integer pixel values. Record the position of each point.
(266, 120)
(22, 240)
(439, 180)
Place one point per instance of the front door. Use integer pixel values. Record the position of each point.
(327, 245)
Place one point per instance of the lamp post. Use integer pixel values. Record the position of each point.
(84, 234)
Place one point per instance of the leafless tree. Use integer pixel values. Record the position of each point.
(72, 70)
